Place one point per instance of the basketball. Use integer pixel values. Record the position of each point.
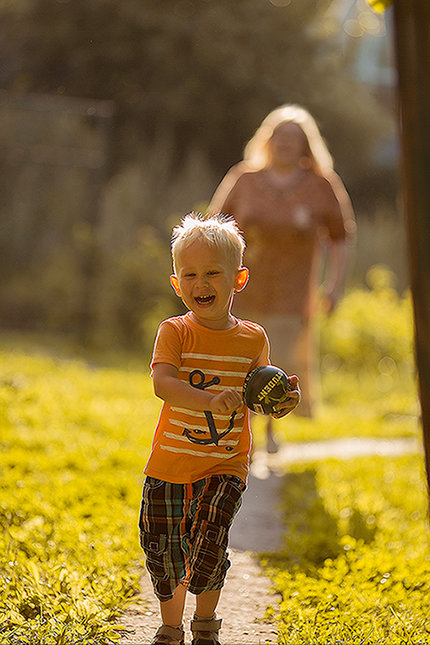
(264, 387)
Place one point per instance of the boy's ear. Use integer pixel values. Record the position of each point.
(242, 279)
(175, 284)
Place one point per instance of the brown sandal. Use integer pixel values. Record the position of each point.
(205, 632)
(168, 636)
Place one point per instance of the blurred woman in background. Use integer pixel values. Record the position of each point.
(290, 205)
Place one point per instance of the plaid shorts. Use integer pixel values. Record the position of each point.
(184, 532)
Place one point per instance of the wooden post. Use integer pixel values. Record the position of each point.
(412, 44)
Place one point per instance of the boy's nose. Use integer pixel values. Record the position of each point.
(202, 280)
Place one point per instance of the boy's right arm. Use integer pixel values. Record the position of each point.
(170, 388)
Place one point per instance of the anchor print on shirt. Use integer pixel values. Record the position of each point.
(197, 379)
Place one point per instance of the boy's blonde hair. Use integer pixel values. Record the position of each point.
(217, 230)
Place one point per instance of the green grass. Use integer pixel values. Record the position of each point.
(75, 431)
(355, 567)
(74, 440)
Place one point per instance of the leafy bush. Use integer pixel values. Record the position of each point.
(371, 328)
(367, 371)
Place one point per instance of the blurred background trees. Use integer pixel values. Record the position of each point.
(119, 116)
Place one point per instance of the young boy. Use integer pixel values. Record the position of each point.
(198, 466)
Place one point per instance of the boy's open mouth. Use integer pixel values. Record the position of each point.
(204, 300)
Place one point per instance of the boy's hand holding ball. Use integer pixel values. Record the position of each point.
(293, 399)
(268, 390)
(226, 402)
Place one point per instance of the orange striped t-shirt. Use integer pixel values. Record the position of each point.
(191, 444)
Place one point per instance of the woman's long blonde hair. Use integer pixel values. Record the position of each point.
(257, 154)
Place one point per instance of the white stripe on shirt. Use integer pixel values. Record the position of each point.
(199, 413)
(175, 422)
(196, 453)
(214, 357)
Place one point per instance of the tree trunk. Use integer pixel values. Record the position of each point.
(412, 42)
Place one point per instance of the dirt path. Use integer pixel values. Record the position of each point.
(243, 603)
(247, 592)
(257, 528)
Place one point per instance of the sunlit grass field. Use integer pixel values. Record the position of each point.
(355, 567)
(74, 439)
(75, 432)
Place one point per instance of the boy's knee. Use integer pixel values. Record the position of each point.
(166, 573)
(209, 559)
(155, 549)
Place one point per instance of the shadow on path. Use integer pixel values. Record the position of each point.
(258, 525)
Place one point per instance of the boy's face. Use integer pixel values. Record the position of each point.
(206, 280)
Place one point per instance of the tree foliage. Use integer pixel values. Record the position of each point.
(380, 5)
(190, 81)
(199, 72)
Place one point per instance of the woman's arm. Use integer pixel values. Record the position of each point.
(221, 201)
(337, 262)
(338, 250)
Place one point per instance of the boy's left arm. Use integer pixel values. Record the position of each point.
(292, 402)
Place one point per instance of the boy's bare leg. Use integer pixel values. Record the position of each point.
(172, 610)
(206, 603)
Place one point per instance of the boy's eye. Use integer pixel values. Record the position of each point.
(214, 272)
